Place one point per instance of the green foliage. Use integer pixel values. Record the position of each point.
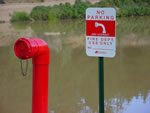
(120, 3)
(53, 14)
(136, 8)
(104, 4)
(40, 13)
(124, 8)
(68, 11)
(79, 9)
(20, 16)
(142, 11)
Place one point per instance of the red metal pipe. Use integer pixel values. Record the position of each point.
(38, 50)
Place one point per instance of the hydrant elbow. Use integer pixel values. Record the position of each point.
(36, 49)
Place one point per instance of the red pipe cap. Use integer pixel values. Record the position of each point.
(23, 48)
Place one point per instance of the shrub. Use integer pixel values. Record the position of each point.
(79, 9)
(40, 13)
(66, 11)
(20, 16)
(53, 14)
(142, 11)
(104, 4)
(133, 10)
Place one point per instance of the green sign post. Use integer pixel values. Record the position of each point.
(101, 84)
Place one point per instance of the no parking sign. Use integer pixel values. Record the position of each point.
(101, 32)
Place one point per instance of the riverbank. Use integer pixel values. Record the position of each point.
(124, 8)
(6, 10)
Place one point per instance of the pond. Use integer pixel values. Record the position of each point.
(73, 77)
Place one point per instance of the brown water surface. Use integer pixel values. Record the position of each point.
(73, 78)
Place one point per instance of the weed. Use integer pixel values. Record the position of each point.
(20, 16)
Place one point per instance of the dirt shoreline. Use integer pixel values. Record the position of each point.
(7, 9)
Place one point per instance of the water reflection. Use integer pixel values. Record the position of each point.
(73, 76)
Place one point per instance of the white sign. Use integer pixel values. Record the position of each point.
(101, 32)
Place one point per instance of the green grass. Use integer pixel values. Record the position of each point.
(20, 16)
(68, 11)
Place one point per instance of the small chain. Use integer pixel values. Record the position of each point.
(24, 73)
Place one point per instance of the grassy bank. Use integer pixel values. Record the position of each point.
(68, 11)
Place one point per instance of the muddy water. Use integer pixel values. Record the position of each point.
(73, 83)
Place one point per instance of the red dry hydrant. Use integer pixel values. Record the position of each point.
(38, 50)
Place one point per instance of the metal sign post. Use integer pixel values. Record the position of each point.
(101, 41)
(101, 84)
